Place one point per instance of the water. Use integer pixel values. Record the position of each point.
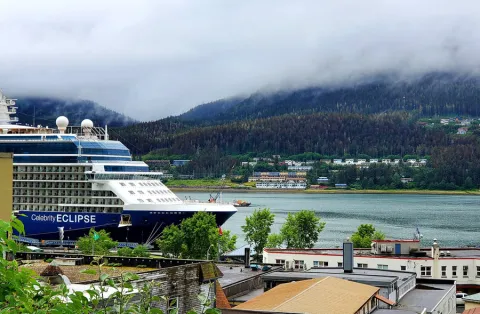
(453, 220)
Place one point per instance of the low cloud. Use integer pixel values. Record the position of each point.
(149, 59)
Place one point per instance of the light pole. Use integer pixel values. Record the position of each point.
(208, 251)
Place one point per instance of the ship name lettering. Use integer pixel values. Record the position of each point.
(76, 218)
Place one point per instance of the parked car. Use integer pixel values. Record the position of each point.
(460, 296)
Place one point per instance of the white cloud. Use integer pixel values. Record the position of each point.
(152, 58)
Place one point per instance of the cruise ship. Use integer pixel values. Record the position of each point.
(70, 179)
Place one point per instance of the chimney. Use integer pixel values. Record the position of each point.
(247, 257)
(348, 256)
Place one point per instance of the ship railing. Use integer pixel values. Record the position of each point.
(105, 176)
(206, 202)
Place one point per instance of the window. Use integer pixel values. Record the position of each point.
(140, 192)
(403, 267)
(478, 271)
(340, 264)
(122, 184)
(280, 261)
(172, 305)
(382, 266)
(131, 192)
(320, 264)
(150, 200)
(299, 264)
(360, 265)
(426, 271)
(454, 271)
(131, 184)
(444, 271)
(140, 200)
(465, 271)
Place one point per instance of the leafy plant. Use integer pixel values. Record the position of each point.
(256, 229)
(364, 235)
(301, 230)
(101, 246)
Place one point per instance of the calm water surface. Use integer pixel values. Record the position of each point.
(453, 220)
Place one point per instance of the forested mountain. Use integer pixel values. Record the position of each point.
(47, 110)
(429, 95)
(324, 133)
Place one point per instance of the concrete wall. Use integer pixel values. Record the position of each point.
(6, 186)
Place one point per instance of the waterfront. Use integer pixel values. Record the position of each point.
(453, 220)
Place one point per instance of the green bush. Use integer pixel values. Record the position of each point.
(125, 251)
(48, 260)
(141, 251)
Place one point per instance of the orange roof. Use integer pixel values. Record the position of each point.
(384, 300)
(327, 295)
(220, 297)
(475, 310)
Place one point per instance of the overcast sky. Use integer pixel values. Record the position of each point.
(153, 58)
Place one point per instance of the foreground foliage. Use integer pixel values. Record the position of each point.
(21, 292)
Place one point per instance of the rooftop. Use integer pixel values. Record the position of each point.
(475, 310)
(375, 277)
(427, 294)
(454, 252)
(321, 295)
(473, 298)
(234, 273)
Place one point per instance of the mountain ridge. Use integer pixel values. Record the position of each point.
(45, 110)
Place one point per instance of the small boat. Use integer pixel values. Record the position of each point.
(241, 203)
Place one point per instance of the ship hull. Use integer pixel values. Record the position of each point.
(142, 227)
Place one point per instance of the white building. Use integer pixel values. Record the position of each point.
(459, 264)
(296, 185)
(299, 168)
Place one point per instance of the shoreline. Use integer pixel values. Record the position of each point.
(253, 190)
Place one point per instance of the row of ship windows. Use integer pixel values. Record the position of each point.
(142, 184)
(71, 192)
(61, 200)
(53, 208)
(52, 185)
(167, 213)
(158, 192)
(160, 200)
(42, 176)
(49, 169)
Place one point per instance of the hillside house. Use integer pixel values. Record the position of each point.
(462, 131)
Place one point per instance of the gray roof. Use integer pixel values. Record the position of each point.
(473, 298)
(374, 277)
(419, 299)
(240, 252)
(393, 311)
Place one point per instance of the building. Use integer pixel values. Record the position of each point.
(6, 189)
(462, 131)
(299, 168)
(325, 295)
(179, 162)
(406, 180)
(472, 302)
(291, 184)
(459, 264)
(321, 180)
(341, 185)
